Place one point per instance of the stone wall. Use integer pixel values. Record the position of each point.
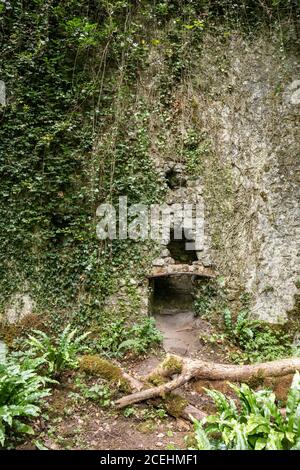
(241, 99)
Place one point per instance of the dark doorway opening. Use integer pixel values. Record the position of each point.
(178, 251)
(172, 308)
(171, 294)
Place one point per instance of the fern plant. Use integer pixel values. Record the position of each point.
(117, 338)
(144, 335)
(258, 342)
(243, 328)
(59, 354)
(256, 425)
(112, 336)
(21, 391)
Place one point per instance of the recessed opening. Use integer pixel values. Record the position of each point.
(172, 307)
(174, 179)
(171, 294)
(171, 304)
(178, 251)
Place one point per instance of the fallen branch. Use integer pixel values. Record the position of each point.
(159, 391)
(175, 405)
(235, 373)
(191, 411)
(189, 369)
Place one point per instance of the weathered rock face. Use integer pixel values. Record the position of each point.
(2, 94)
(252, 117)
(293, 97)
(21, 305)
(228, 139)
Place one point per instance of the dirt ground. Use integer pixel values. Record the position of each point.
(181, 331)
(73, 422)
(94, 429)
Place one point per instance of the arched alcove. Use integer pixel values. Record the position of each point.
(178, 249)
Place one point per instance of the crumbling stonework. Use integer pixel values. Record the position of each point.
(167, 269)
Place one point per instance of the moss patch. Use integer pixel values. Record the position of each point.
(95, 365)
(10, 332)
(256, 381)
(147, 427)
(173, 365)
(175, 404)
(157, 379)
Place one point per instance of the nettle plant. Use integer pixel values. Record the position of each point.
(257, 423)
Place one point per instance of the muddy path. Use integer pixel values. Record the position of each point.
(173, 310)
(181, 331)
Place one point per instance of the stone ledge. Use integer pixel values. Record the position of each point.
(178, 269)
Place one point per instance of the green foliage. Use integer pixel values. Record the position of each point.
(84, 32)
(211, 298)
(149, 413)
(112, 336)
(202, 441)
(59, 353)
(154, 413)
(54, 176)
(21, 391)
(194, 149)
(99, 393)
(117, 338)
(258, 341)
(257, 424)
(75, 132)
(144, 335)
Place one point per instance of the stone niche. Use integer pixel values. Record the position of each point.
(185, 251)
